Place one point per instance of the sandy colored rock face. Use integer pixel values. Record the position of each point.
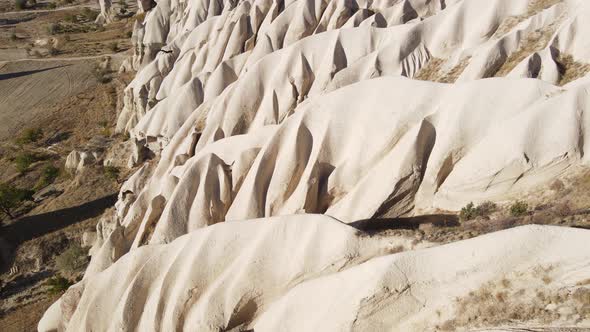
(275, 124)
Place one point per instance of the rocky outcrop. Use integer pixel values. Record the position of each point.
(310, 273)
(106, 14)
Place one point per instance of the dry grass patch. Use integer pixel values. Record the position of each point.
(532, 42)
(433, 71)
(516, 301)
(534, 7)
(537, 6)
(570, 69)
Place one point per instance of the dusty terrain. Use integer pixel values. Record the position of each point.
(64, 84)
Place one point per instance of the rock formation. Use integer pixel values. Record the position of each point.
(257, 110)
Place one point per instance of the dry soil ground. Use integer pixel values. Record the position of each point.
(51, 81)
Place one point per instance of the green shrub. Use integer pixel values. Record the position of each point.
(89, 14)
(111, 172)
(12, 198)
(467, 212)
(58, 284)
(519, 208)
(73, 259)
(114, 46)
(13, 36)
(23, 161)
(48, 175)
(53, 28)
(470, 211)
(20, 4)
(29, 135)
(486, 208)
(71, 18)
(51, 5)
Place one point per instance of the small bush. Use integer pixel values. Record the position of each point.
(486, 208)
(89, 14)
(30, 135)
(111, 172)
(114, 46)
(23, 161)
(470, 211)
(519, 208)
(51, 5)
(71, 18)
(13, 36)
(557, 185)
(12, 198)
(20, 4)
(129, 34)
(53, 51)
(104, 125)
(73, 259)
(48, 175)
(58, 284)
(102, 75)
(53, 28)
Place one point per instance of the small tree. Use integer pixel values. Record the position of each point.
(12, 197)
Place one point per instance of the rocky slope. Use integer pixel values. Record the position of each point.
(354, 110)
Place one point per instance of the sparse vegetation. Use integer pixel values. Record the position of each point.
(470, 211)
(71, 18)
(557, 185)
(58, 284)
(89, 14)
(519, 209)
(53, 28)
(105, 130)
(433, 71)
(20, 4)
(111, 172)
(531, 42)
(53, 51)
(114, 46)
(48, 176)
(29, 135)
(570, 70)
(505, 301)
(102, 75)
(24, 160)
(72, 260)
(12, 198)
